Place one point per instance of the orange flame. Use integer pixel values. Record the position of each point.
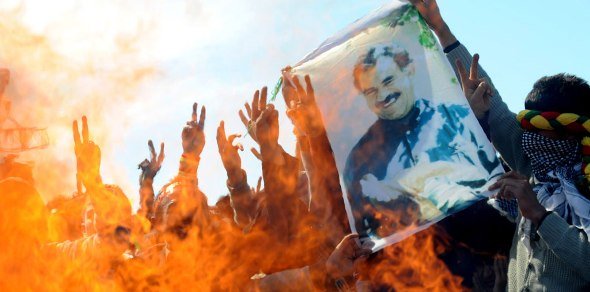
(67, 245)
(413, 264)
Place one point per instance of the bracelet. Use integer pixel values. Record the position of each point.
(451, 47)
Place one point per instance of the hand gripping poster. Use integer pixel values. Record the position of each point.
(409, 150)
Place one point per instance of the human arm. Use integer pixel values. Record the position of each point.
(280, 172)
(319, 161)
(193, 142)
(431, 14)
(241, 198)
(505, 132)
(345, 261)
(567, 242)
(279, 169)
(88, 159)
(149, 169)
(111, 206)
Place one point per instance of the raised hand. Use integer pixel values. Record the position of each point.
(253, 111)
(228, 151)
(193, 135)
(476, 90)
(302, 108)
(149, 168)
(431, 14)
(87, 157)
(267, 129)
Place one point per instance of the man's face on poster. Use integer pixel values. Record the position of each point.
(387, 86)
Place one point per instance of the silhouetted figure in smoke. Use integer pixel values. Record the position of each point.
(107, 217)
(9, 167)
(180, 206)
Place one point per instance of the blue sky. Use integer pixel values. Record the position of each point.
(218, 52)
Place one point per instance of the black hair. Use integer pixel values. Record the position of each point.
(369, 60)
(562, 93)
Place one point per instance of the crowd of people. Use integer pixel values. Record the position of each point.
(293, 234)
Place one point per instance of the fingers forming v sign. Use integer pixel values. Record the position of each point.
(151, 167)
(87, 156)
(200, 125)
(193, 135)
(476, 90)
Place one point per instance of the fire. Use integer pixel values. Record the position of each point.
(413, 264)
(94, 241)
(58, 236)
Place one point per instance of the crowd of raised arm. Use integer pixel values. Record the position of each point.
(291, 231)
(288, 231)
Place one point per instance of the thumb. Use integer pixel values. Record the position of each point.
(480, 91)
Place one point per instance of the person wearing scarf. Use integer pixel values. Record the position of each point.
(547, 147)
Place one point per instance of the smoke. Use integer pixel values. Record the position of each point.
(135, 68)
(61, 69)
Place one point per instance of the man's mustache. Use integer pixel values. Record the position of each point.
(390, 98)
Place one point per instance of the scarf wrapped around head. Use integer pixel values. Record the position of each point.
(569, 123)
(560, 167)
(547, 154)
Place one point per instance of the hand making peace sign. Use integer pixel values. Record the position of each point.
(193, 135)
(476, 90)
(87, 157)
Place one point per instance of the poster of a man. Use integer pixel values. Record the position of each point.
(405, 162)
(414, 153)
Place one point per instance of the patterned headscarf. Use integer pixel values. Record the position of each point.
(559, 166)
(569, 123)
(548, 154)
